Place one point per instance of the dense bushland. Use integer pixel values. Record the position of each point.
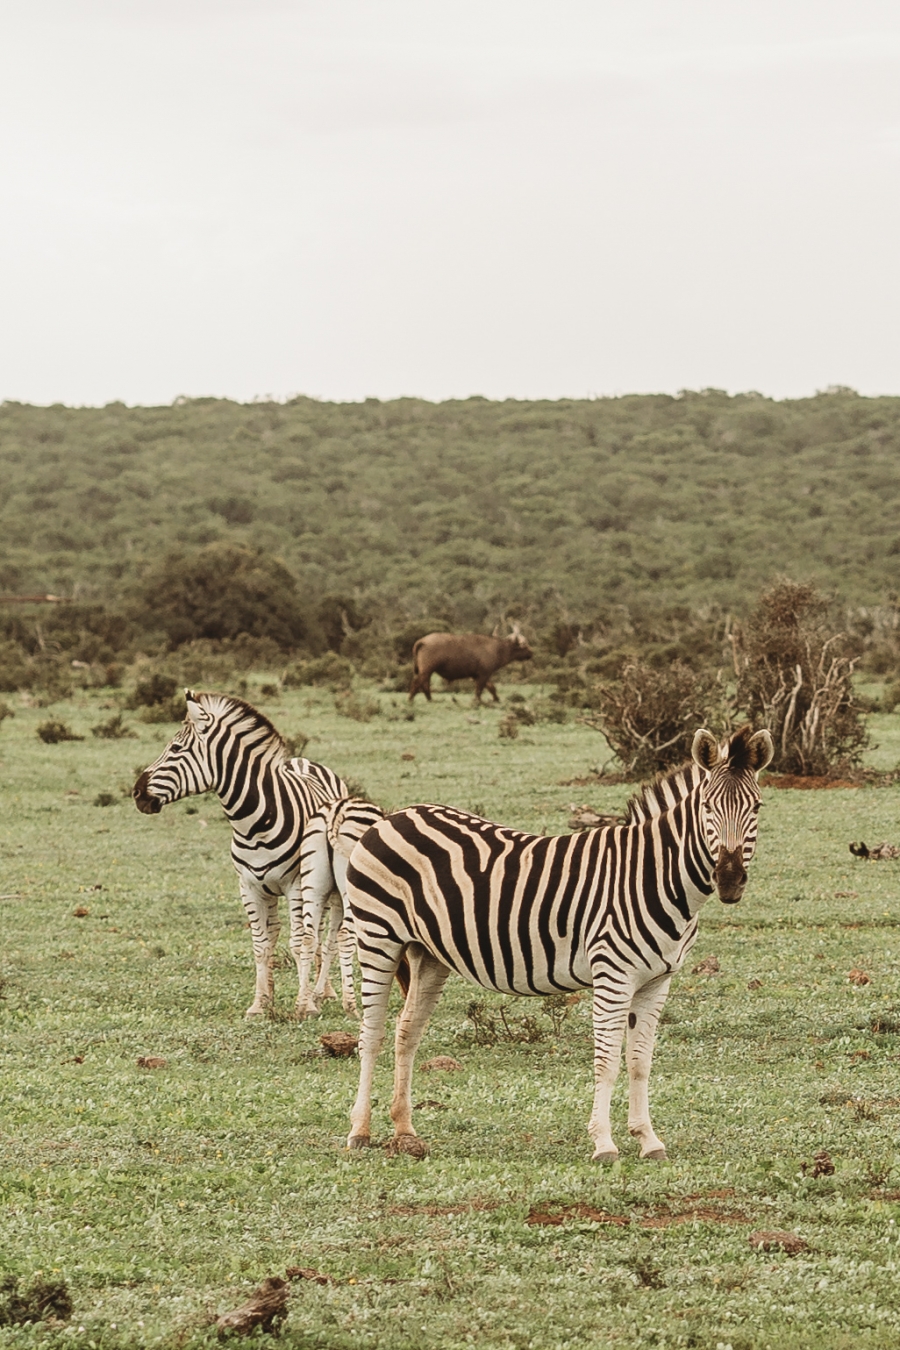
(463, 509)
(630, 536)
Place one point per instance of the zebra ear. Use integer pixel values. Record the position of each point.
(760, 751)
(194, 711)
(705, 749)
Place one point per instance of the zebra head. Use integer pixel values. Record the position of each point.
(730, 800)
(195, 760)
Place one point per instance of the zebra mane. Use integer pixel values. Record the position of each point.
(246, 718)
(660, 795)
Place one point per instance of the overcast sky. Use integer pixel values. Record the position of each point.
(523, 198)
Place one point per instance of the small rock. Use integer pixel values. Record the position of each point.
(410, 1144)
(791, 1243)
(708, 966)
(858, 977)
(151, 1062)
(81, 912)
(444, 1062)
(267, 1306)
(340, 1044)
(408, 755)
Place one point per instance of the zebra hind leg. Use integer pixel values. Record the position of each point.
(324, 988)
(346, 953)
(646, 1007)
(379, 967)
(427, 977)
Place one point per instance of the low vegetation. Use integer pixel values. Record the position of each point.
(162, 1158)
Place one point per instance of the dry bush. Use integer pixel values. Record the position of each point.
(649, 716)
(795, 677)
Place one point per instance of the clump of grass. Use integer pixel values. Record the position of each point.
(5, 710)
(105, 799)
(490, 1028)
(54, 730)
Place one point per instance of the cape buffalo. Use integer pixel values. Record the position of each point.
(461, 656)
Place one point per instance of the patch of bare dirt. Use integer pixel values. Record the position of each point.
(708, 966)
(551, 1215)
(806, 783)
(151, 1062)
(409, 1144)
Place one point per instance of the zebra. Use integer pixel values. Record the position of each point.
(614, 909)
(328, 840)
(229, 747)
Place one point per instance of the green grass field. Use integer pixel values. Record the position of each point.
(162, 1197)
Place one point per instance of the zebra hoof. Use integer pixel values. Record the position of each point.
(609, 1156)
(359, 1141)
(257, 1010)
(655, 1155)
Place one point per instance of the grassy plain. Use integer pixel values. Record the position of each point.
(162, 1197)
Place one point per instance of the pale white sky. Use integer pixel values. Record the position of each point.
(527, 198)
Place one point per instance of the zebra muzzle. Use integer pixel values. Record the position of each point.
(730, 875)
(150, 806)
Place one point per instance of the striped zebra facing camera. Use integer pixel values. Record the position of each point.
(614, 909)
(230, 748)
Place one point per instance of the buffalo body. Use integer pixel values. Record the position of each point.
(462, 656)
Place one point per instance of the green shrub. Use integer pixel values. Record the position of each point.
(224, 591)
(5, 710)
(152, 689)
(329, 671)
(53, 731)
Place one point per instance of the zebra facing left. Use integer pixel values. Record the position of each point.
(613, 909)
(228, 747)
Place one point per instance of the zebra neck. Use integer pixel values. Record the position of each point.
(250, 790)
(696, 861)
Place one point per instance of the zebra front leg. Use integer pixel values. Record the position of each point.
(378, 970)
(262, 914)
(610, 1007)
(427, 977)
(646, 1007)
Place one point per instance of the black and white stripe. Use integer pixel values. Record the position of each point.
(331, 834)
(228, 747)
(612, 909)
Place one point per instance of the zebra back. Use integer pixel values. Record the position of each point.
(655, 798)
